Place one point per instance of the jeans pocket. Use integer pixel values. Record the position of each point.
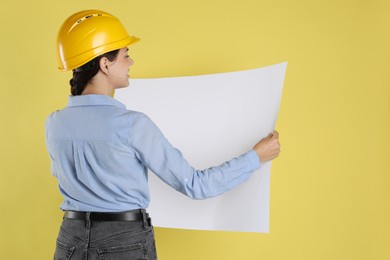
(63, 251)
(134, 251)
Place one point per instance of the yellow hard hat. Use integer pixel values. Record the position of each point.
(88, 34)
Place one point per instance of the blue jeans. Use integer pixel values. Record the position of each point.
(86, 239)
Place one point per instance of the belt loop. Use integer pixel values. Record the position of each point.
(144, 218)
(88, 220)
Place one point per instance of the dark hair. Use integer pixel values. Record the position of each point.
(82, 75)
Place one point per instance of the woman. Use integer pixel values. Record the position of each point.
(100, 152)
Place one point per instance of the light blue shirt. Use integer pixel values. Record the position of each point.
(100, 153)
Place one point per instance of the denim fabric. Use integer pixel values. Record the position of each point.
(108, 240)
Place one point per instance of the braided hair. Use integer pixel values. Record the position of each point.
(83, 75)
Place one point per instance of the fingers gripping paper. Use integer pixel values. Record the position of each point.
(211, 119)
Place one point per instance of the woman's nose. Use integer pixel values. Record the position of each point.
(131, 61)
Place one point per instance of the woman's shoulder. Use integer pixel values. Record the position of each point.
(135, 114)
(137, 117)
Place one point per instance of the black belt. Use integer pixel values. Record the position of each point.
(134, 215)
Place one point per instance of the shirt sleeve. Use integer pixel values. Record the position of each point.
(168, 163)
(47, 129)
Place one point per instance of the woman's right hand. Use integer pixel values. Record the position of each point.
(268, 148)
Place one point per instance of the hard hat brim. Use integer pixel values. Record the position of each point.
(82, 58)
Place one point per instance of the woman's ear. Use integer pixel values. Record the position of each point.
(103, 64)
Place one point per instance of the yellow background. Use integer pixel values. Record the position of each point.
(330, 188)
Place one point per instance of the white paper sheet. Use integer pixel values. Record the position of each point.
(211, 119)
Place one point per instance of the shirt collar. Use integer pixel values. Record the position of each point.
(94, 100)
